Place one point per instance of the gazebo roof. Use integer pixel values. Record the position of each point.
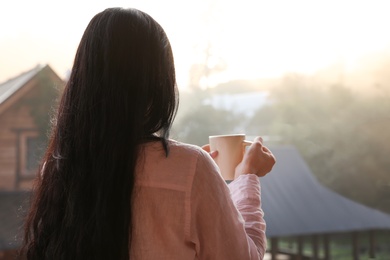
(295, 203)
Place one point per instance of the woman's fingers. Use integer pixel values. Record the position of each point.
(213, 154)
(259, 139)
(258, 159)
(206, 147)
(266, 150)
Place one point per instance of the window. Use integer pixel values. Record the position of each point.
(33, 154)
(30, 153)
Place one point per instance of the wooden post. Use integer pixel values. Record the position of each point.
(355, 245)
(300, 248)
(372, 243)
(314, 244)
(326, 247)
(274, 248)
(290, 244)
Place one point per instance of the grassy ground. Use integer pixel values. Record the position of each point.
(341, 246)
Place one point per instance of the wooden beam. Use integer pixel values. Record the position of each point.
(17, 166)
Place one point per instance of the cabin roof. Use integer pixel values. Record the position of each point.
(9, 87)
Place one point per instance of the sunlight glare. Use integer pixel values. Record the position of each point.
(253, 38)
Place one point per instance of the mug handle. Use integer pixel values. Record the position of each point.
(246, 143)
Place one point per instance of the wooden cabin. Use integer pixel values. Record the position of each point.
(26, 105)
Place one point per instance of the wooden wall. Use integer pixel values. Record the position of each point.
(16, 116)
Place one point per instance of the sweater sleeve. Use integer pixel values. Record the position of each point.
(225, 223)
(246, 194)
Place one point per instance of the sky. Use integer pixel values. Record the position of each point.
(253, 38)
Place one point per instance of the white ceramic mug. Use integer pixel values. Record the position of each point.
(231, 149)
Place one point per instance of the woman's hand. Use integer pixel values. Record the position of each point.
(258, 160)
(213, 154)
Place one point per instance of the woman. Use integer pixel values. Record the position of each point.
(113, 185)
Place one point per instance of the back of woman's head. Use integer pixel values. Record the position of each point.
(121, 93)
(124, 66)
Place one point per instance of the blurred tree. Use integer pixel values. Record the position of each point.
(344, 137)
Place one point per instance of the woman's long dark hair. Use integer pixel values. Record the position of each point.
(121, 93)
